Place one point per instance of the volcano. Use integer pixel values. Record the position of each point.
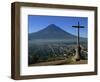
(51, 32)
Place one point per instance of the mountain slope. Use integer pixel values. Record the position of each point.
(51, 32)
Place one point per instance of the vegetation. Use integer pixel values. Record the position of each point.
(40, 52)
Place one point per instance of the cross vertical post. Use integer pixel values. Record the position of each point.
(78, 41)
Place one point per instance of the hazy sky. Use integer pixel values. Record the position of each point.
(36, 23)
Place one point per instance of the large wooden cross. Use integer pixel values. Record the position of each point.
(78, 40)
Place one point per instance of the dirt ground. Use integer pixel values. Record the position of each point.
(58, 62)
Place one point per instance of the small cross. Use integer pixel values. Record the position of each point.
(78, 39)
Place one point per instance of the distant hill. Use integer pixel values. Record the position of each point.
(52, 32)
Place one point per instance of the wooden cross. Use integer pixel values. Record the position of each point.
(78, 40)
